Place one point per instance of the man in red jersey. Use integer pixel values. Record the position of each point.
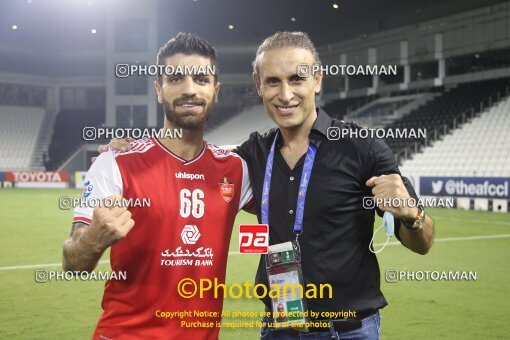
(195, 192)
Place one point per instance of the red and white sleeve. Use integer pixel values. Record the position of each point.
(102, 180)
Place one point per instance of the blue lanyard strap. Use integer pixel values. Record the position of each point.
(303, 186)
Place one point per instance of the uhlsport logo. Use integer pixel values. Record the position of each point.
(191, 177)
(190, 234)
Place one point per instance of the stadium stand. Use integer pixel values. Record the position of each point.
(40, 155)
(220, 115)
(481, 147)
(339, 108)
(233, 99)
(238, 128)
(68, 133)
(19, 131)
(22, 95)
(446, 112)
(382, 109)
(385, 110)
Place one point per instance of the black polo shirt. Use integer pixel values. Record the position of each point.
(336, 228)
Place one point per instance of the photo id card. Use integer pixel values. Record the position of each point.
(283, 266)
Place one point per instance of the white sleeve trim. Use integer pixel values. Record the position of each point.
(103, 179)
(246, 191)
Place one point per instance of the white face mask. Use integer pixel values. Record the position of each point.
(389, 227)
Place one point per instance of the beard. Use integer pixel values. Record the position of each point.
(187, 121)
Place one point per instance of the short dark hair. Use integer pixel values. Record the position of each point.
(188, 44)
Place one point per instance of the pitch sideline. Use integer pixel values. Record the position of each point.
(437, 240)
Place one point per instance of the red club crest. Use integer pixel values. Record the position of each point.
(227, 190)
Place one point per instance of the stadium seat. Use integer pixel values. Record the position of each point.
(479, 148)
(19, 129)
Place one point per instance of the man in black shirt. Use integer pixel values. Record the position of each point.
(336, 228)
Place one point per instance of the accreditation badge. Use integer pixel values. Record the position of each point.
(283, 267)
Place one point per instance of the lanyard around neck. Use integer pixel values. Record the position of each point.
(303, 186)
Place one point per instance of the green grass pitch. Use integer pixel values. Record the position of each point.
(33, 229)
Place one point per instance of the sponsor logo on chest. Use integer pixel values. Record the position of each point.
(186, 255)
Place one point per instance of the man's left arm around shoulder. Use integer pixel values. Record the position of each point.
(387, 188)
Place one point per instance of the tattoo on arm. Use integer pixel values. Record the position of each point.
(75, 226)
(76, 254)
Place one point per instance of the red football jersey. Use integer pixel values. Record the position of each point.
(185, 233)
